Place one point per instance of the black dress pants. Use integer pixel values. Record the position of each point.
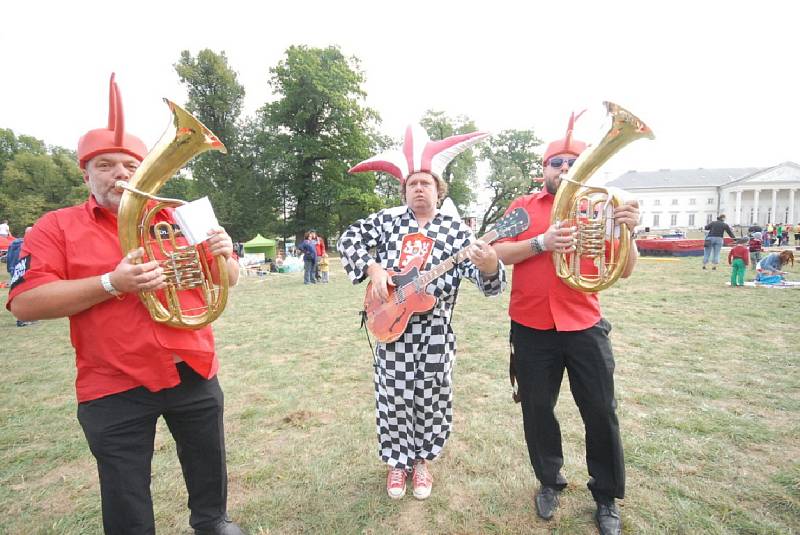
(540, 358)
(121, 429)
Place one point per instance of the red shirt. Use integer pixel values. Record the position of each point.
(740, 251)
(539, 299)
(117, 345)
(320, 246)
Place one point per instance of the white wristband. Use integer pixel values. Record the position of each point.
(105, 280)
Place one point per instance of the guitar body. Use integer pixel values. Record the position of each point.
(387, 321)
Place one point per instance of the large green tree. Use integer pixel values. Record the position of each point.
(215, 97)
(512, 165)
(313, 132)
(36, 179)
(460, 174)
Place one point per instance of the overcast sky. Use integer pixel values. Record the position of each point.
(716, 81)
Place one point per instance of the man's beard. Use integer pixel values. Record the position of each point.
(552, 185)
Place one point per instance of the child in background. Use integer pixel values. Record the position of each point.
(755, 249)
(739, 258)
(324, 267)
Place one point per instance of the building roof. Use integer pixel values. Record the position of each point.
(680, 178)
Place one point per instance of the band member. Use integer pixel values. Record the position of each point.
(554, 327)
(131, 370)
(413, 375)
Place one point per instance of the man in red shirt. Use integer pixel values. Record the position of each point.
(131, 370)
(553, 328)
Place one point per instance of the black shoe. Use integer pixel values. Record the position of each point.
(546, 501)
(607, 518)
(225, 527)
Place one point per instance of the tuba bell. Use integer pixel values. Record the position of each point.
(602, 247)
(185, 266)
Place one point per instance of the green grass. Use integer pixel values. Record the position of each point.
(709, 405)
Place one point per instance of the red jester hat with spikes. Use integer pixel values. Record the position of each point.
(113, 138)
(566, 145)
(420, 154)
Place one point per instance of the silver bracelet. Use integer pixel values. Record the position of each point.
(105, 280)
(537, 244)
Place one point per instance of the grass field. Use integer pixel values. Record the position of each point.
(709, 406)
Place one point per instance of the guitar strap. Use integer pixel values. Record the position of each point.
(512, 372)
(363, 314)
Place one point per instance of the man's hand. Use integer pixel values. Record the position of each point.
(220, 243)
(628, 214)
(129, 277)
(483, 256)
(380, 282)
(560, 239)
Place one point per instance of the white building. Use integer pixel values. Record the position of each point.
(691, 198)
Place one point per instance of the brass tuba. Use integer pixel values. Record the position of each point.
(600, 241)
(185, 266)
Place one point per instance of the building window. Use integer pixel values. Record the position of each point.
(691, 219)
(708, 218)
(692, 201)
(674, 202)
(655, 220)
(657, 202)
(710, 201)
(673, 220)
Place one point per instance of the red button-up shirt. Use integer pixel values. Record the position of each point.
(539, 299)
(117, 345)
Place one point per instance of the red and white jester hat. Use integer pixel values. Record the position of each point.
(113, 138)
(566, 145)
(419, 154)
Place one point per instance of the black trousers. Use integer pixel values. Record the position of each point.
(540, 358)
(121, 431)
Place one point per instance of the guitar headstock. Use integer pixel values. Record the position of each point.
(512, 224)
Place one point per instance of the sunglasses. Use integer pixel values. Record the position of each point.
(558, 162)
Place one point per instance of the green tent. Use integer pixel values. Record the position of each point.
(260, 244)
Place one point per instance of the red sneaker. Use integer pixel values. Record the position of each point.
(422, 480)
(396, 483)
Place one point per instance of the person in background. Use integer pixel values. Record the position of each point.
(131, 370)
(755, 249)
(738, 258)
(320, 249)
(770, 268)
(324, 268)
(4, 230)
(308, 248)
(12, 258)
(713, 242)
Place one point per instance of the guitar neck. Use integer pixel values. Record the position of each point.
(440, 269)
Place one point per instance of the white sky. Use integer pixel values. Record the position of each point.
(717, 81)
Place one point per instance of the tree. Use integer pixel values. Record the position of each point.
(313, 133)
(215, 97)
(460, 174)
(513, 163)
(34, 183)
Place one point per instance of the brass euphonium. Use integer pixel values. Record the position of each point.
(185, 266)
(600, 240)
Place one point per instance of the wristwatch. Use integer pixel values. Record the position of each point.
(537, 244)
(105, 280)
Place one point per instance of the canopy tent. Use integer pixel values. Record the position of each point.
(260, 244)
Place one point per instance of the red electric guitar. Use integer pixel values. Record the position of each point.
(388, 320)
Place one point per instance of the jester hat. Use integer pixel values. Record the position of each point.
(419, 154)
(113, 138)
(566, 145)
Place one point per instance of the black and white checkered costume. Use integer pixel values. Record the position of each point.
(413, 389)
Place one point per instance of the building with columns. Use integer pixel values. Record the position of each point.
(691, 198)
